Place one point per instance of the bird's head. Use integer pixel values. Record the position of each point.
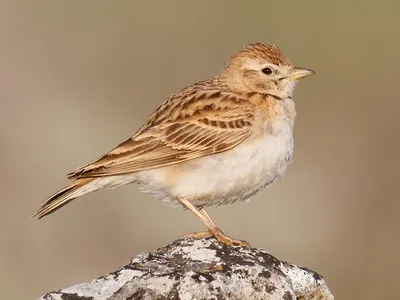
(264, 69)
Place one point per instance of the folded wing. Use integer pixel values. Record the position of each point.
(185, 127)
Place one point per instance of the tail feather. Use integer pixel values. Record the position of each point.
(77, 188)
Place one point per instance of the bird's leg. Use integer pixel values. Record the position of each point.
(213, 229)
(201, 234)
(205, 213)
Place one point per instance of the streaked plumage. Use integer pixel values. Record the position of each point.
(193, 123)
(212, 143)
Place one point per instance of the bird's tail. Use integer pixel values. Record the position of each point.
(76, 189)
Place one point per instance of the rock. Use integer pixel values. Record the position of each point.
(202, 269)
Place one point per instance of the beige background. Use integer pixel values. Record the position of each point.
(78, 77)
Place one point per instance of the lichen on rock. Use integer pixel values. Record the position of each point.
(202, 269)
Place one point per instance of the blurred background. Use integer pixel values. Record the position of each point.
(79, 77)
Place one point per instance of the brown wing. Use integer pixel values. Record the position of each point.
(183, 128)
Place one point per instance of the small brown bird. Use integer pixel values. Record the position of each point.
(215, 142)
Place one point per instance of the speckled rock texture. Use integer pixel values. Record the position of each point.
(202, 269)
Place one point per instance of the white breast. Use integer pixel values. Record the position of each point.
(224, 178)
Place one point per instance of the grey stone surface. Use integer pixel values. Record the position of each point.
(202, 269)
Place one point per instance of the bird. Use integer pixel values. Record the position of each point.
(216, 142)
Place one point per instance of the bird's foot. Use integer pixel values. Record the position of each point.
(227, 240)
(220, 236)
(197, 235)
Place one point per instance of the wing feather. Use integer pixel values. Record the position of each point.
(202, 124)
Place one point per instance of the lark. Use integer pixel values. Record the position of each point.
(213, 143)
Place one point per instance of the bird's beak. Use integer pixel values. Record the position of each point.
(300, 73)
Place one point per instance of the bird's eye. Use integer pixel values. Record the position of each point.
(267, 71)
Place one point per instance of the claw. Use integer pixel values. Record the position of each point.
(220, 236)
(197, 235)
(226, 240)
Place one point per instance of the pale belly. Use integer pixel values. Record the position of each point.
(234, 175)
